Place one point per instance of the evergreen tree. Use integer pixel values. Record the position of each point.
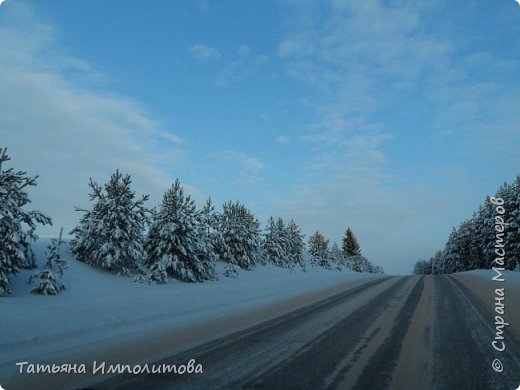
(472, 245)
(177, 240)
(231, 270)
(111, 234)
(210, 230)
(457, 251)
(208, 217)
(296, 250)
(422, 267)
(336, 256)
(485, 232)
(48, 283)
(511, 195)
(465, 233)
(319, 250)
(356, 263)
(366, 265)
(513, 235)
(437, 263)
(240, 232)
(479, 238)
(452, 255)
(350, 244)
(17, 225)
(158, 273)
(276, 243)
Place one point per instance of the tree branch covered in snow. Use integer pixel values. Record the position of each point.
(17, 225)
(110, 235)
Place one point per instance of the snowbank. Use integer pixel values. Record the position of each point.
(100, 306)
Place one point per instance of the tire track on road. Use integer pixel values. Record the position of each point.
(377, 374)
(323, 362)
(463, 351)
(230, 362)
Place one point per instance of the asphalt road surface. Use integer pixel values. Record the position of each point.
(416, 332)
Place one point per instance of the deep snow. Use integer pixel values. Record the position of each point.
(101, 306)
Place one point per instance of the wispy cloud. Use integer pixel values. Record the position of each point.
(204, 53)
(244, 50)
(244, 67)
(283, 139)
(64, 132)
(231, 73)
(241, 170)
(202, 5)
(170, 137)
(363, 60)
(251, 164)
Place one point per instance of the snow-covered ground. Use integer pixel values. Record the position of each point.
(98, 306)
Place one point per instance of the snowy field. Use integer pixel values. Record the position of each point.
(98, 308)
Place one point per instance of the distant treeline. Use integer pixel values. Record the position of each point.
(491, 237)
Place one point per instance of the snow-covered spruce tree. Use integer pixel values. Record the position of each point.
(464, 241)
(49, 279)
(356, 263)
(510, 193)
(352, 253)
(452, 253)
(209, 217)
(485, 233)
(319, 250)
(296, 245)
(276, 243)
(110, 235)
(336, 257)
(477, 259)
(366, 265)
(176, 240)
(350, 244)
(437, 262)
(240, 232)
(17, 225)
(457, 252)
(210, 222)
(513, 235)
(158, 273)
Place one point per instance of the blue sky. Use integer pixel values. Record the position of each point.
(394, 118)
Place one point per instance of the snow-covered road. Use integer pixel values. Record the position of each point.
(416, 332)
(399, 333)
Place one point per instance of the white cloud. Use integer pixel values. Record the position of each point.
(244, 67)
(205, 53)
(283, 139)
(239, 169)
(65, 133)
(355, 56)
(363, 60)
(296, 47)
(171, 137)
(251, 164)
(263, 59)
(244, 50)
(231, 73)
